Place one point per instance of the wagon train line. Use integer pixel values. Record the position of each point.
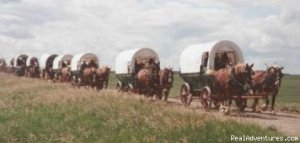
(213, 72)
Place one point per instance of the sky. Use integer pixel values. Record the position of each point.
(268, 31)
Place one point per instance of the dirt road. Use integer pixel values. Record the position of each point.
(287, 123)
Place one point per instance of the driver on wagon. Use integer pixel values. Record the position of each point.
(82, 67)
(93, 64)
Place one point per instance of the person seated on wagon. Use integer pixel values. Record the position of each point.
(157, 65)
(226, 61)
(218, 62)
(32, 63)
(138, 66)
(205, 59)
(82, 67)
(93, 64)
(63, 64)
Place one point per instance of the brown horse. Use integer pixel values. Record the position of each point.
(166, 78)
(65, 74)
(100, 78)
(144, 85)
(268, 82)
(47, 73)
(233, 81)
(148, 79)
(32, 71)
(86, 78)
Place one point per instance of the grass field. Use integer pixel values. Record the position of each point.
(40, 111)
(288, 97)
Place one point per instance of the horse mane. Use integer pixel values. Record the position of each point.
(239, 68)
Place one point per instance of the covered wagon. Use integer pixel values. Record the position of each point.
(83, 62)
(61, 67)
(127, 65)
(20, 64)
(197, 62)
(46, 66)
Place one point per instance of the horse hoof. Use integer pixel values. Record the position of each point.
(264, 108)
(273, 112)
(227, 112)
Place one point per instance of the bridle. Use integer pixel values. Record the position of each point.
(245, 85)
(167, 77)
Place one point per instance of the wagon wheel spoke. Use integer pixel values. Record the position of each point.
(205, 98)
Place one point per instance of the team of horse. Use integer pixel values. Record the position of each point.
(241, 82)
(93, 77)
(151, 80)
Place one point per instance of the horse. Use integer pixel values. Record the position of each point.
(20, 70)
(100, 78)
(65, 74)
(32, 71)
(166, 78)
(268, 82)
(232, 81)
(48, 73)
(86, 77)
(147, 80)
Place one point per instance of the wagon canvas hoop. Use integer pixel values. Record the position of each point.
(45, 59)
(29, 60)
(191, 57)
(125, 62)
(78, 59)
(57, 63)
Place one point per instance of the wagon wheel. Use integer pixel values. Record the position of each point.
(131, 88)
(184, 93)
(119, 86)
(206, 97)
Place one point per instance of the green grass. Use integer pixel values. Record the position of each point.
(289, 93)
(40, 111)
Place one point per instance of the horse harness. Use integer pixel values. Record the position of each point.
(235, 81)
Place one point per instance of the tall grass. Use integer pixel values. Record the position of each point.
(40, 111)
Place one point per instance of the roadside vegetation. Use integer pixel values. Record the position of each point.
(41, 111)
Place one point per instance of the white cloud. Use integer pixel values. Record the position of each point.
(264, 30)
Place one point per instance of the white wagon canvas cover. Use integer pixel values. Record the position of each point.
(11, 61)
(191, 57)
(57, 63)
(44, 59)
(78, 59)
(125, 61)
(29, 60)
